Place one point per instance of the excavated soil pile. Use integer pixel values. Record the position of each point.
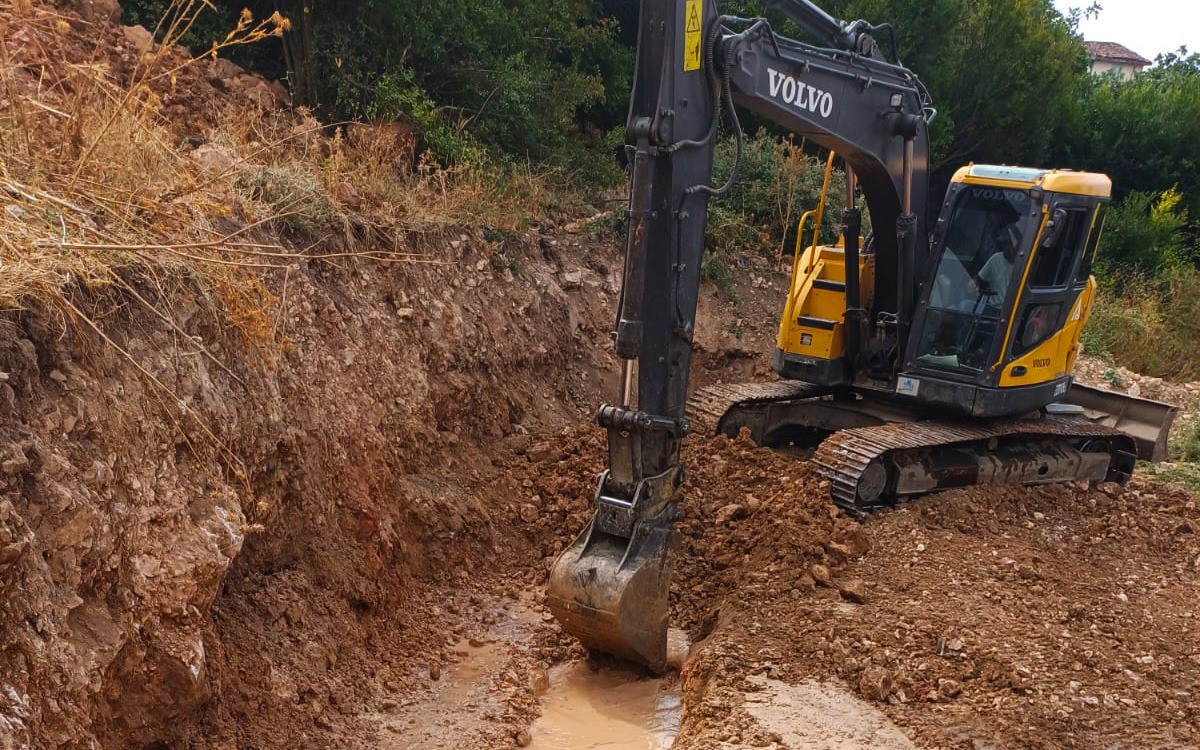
(751, 518)
(1057, 617)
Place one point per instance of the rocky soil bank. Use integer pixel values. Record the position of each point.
(171, 518)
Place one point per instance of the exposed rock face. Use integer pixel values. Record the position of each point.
(116, 537)
(122, 507)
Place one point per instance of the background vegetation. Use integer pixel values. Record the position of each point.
(543, 83)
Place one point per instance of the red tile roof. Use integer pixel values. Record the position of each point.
(1113, 52)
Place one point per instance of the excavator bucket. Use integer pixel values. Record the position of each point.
(611, 592)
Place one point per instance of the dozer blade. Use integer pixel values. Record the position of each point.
(1147, 422)
(610, 592)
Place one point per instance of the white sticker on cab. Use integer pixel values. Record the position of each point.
(908, 386)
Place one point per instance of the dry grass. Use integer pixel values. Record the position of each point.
(99, 191)
(1151, 327)
(93, 179)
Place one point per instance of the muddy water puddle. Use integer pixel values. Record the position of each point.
(597, 708)
(609, 707)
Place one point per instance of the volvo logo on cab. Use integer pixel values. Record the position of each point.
(799, 95)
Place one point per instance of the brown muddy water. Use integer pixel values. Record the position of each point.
(590, 707)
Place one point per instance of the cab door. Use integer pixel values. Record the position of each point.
(1055, 294)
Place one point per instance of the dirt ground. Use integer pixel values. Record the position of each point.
(356, 556)
(1058, 617)
(402, 606)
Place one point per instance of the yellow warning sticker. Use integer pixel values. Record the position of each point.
(693, 34)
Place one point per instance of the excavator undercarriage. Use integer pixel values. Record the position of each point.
(874, 452)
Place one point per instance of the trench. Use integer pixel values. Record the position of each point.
(584, 704)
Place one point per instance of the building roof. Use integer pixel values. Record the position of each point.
(1114, 53)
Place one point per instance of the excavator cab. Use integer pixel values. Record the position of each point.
(999, 305)
(1008, 288)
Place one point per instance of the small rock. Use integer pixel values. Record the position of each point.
(854, 591)
(731, 512)
(955, 644)
(853, 537)
(1112, 489)
(58, 376)
(14, 212)
(214, 158)
(522, 738)
(541, 452)
(572, 279)
(875, 683)
(435, 672)
(949, 688)
(820, 575)
(405, 313)
(98, 11)
(837, 553)
(1123, 597)
(141, 39)
(539, 681)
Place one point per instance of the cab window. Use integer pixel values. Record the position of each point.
(1053, 263)
(1038, 323)
(1089, 254)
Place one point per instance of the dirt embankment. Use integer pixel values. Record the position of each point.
(1057, 617)
(224, 541)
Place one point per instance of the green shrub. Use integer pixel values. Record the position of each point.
(776, 184)
(1144, 235)
(1149, 325)
(399, 97)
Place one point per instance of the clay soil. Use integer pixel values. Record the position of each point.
(1057, 617)
(359, 560)
(393, 598)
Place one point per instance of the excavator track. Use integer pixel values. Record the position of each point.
(853, 460)
(869, 468)
(707, 406)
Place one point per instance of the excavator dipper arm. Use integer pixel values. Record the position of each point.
(610, 587)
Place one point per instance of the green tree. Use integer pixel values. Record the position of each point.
(1143, 235)
(1143, 132)
(1001, 72)
(515, 75)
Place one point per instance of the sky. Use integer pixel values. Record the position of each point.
(1148, 27)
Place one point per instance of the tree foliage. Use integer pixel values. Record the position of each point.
(1000, 72)
(548, 79)
(1144, 235)
(1144, 132)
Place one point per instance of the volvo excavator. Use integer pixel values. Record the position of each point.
(935, 353)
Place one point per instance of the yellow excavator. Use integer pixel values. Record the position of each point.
(936, 353)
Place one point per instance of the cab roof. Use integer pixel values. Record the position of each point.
(1050, 180)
